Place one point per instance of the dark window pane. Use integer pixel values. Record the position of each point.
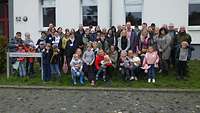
(1, 28)
(194, 15)
(134, 17)
(49, 16)
(90, 20)
(1, 10)
(90, 15)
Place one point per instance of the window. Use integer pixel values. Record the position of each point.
(133, 10)
(194, 13)
(48, 12)
(89, 12)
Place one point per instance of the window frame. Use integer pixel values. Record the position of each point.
(136, 3)
(83, 5)
(193, 27)
(41, 11)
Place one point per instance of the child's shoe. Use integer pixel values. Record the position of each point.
(132, 78)
(104, 78)
(153, 80)
(149, 80)
(92, 83)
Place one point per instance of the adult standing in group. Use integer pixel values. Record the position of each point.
(79, 36)
(164, 48)
(132, 35)
(123, 42)
(183, 36)
(172, 33)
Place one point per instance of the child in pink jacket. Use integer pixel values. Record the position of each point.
(150, 62)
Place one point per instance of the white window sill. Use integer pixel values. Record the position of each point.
(193, 28)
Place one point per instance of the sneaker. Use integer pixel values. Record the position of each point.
(92, 83)
(75, 83)
(132, 78)
(97, 77)
(153, 80)
(104, 78)
(136, 78)
(160, 71)
(149, 80)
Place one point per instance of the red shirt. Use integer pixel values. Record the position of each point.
(98, 60)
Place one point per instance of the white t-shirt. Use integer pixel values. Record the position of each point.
(136, 59)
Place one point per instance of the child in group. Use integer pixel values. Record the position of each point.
(55, 62)
(122, 64)
(95, 47)
(21, 60)
(106, 64)
(183, 54)
(30, 61)
(136, 61)
(150, 62)
(113, 54)
(46, 56)
(88, 67)
(76, 69)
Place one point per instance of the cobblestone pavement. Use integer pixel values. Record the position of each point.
(87, 101)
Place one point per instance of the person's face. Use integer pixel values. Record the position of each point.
(110, 32)
(78, 52)
(51, 25)
(144, 26)
(150, 29)
(56, 34)
(183, 45)
(182, 29)
(112, 48)
(124, 33)
(76, 57)
(156, 30)
(101, 52)
(163, 32)
(128, 25)
(43, 34)
(20, 48)
(171, 27)
(145, 32)
(18, 35)
(87, 32)
(151, 49)
(60, 30)
(42, 45)
(130, 53)
(94, 45)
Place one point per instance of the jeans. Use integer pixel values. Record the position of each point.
(30, 69)
(55, 69)
(46, 72)
(75, 74)
(22, 70)
(151, 72)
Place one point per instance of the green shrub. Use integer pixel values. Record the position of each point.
(2, 54)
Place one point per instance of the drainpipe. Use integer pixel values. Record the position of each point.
(110, 13)
(11, 18)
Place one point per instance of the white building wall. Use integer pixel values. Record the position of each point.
(118, 12)
(31, 9)
(165, 11)
(68, 13)
(103, 13)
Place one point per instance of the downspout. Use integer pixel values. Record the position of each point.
(11, 18)
(110, 13)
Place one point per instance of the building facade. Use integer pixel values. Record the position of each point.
(34, 15)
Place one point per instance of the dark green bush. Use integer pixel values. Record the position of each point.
(2, 54)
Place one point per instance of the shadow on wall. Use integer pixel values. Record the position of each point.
(196, 52)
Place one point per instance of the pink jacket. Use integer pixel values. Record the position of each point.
(151, 58)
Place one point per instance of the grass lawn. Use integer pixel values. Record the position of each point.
(162, 81)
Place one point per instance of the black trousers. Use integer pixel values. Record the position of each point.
(181, 68)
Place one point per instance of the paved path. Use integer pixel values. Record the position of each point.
(93, 101)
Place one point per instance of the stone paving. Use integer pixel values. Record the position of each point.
(91, 101)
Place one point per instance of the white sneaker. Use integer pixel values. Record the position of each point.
(132, 78)
(153, 80)
(149, 80)
(136, 78)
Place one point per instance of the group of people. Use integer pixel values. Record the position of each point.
(93, 53)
